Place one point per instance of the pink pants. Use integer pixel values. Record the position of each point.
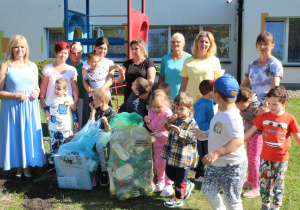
(160, 163)
(254, 145)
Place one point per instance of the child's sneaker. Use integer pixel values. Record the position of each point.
(199, 177)
(173, 202)
(254, 192)
(159, 186)
(247, 184)
(189, 187)
(104, 179)
(168, 190)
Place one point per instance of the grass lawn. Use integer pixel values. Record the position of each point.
(100, 199)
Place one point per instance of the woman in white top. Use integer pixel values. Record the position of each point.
(52, 72)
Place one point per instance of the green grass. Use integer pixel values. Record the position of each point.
(100, 198)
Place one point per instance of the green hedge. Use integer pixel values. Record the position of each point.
(41, 64)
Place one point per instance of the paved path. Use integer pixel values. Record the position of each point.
(294, 93)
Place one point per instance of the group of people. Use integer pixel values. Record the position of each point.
(182, 114)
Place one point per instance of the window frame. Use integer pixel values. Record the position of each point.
(286, 21)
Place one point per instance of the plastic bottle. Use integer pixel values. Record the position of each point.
(122, 153)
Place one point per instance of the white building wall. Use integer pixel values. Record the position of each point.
(31, 18)
(252, 27)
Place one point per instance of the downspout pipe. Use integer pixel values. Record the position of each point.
(240, 27)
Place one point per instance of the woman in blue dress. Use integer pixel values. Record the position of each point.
(21, 139)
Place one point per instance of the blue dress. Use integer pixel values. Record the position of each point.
(21, 137)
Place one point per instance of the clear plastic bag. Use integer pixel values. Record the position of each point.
(130, 162)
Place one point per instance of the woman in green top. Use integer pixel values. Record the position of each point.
(75, 56)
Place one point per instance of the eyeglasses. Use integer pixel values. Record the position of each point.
(177, 42)
(263, 44)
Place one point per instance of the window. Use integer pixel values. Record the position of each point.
(287, 42)
(54, 36)
(157, 43)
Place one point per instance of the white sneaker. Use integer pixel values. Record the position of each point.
(159, 186)
(168, 191)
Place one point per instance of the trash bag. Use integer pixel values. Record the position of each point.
(130, 164)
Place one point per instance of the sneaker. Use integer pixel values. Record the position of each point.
(247, 184)
(199, 179)
(104, 179)
(254, 192)
(168, 191)
(265, 207)
(189, 187)
(173, 202)
(159, 186)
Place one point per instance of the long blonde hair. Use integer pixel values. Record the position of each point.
(159, 93)
(213, 47)
(14, 41)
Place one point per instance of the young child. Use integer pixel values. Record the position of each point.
(226, 159)
(204, 112)
(138, 99)
(248, 102)
(101, 110)
(180, 148)
(276, 126)
(167, 89)
(159, 105)
(58, 115)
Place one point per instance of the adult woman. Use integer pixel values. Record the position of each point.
(265, 72)
(21, 143)
(52, 72)
(202, 65)
(171, 64)
(101, 46)
(75, 56)
(139, 66)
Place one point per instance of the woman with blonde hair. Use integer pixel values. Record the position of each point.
(21, 142)
(139, 66)
(171, 64)
(202, 65)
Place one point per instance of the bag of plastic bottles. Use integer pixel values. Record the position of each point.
(130, 165)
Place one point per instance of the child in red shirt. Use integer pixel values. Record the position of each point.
(276, 126)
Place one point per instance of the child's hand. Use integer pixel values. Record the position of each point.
(48, 118)
(174, 117)
(121, 70)
(90, 90)
(104, 120)
(91, 105)
(198, 134)
(164, 119)
(175, 128)
(147, 119)
(76, 124)
(210, 158)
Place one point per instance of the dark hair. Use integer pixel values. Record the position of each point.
(142, 85)
(184, 99)
(62, 46)
(264, 37)
(91, 55)
(225, 98)
(244, 95)
(280, 93)
(205, 87)
(101, 40)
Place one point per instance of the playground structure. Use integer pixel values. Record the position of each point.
(137, 27)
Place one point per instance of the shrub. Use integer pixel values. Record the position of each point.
(40, 66)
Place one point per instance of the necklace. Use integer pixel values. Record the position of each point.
(60, 68)
(264, 63)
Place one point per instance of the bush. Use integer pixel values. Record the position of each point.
(41, 64)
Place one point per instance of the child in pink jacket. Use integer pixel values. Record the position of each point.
(159, 105)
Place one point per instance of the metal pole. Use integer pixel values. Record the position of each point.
(240, 27)
(66, 20)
